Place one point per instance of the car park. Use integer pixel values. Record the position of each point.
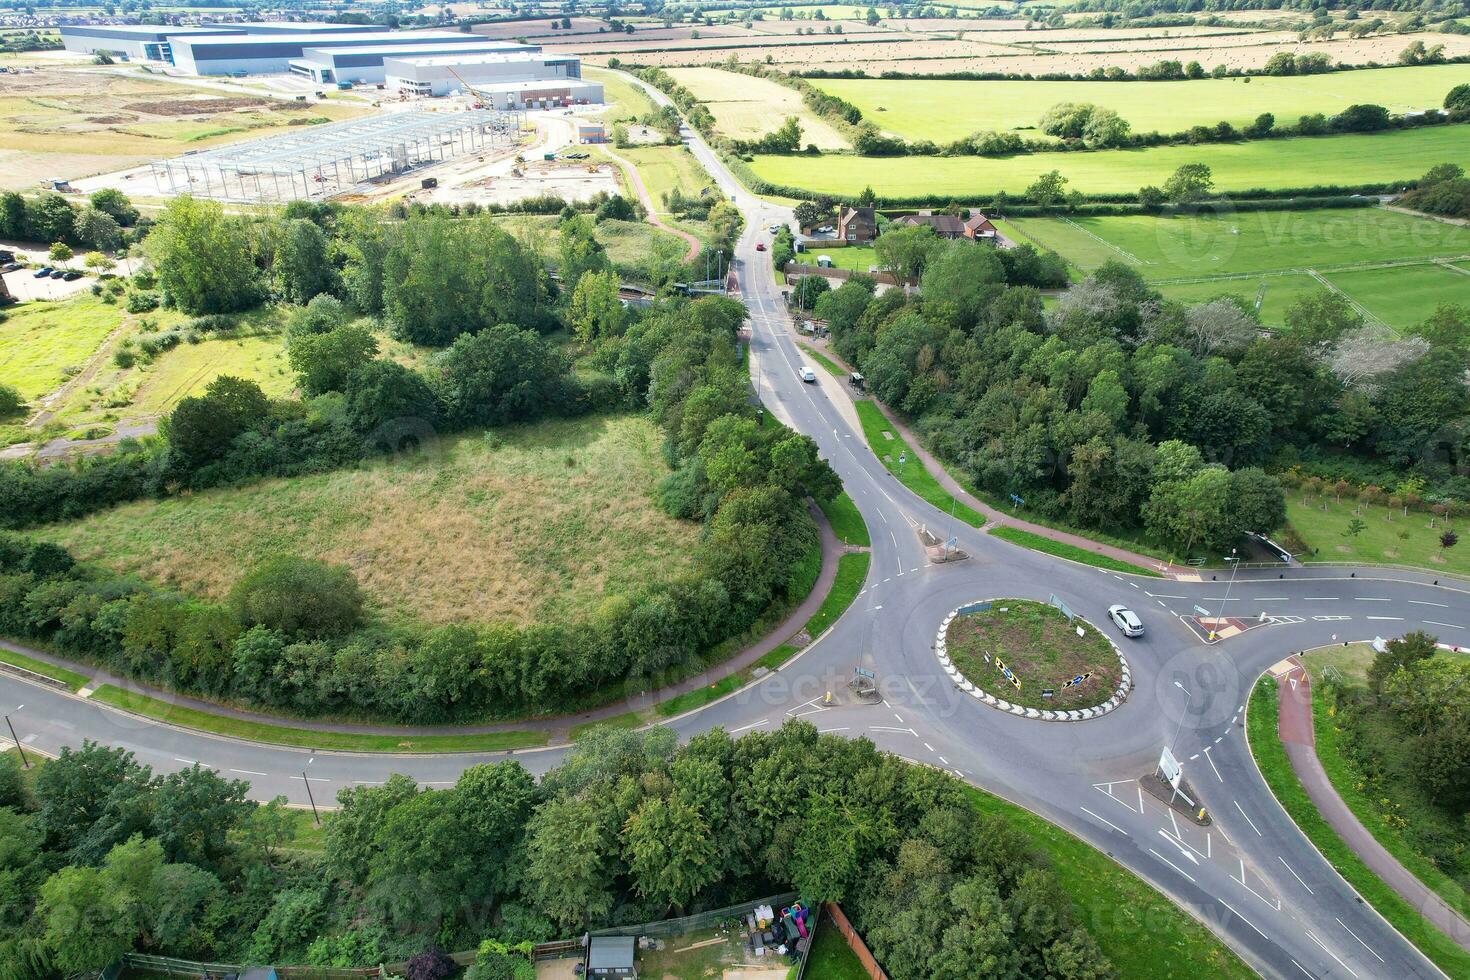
(57, 273)
(808, 375)
(71, 276)
(42, 272)
(1126, 620)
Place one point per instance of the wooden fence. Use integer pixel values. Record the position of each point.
(836, 920)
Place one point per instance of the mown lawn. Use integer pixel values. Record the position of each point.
(73, 680)
(847, 523)
(1387, 536)
(831, 958)
(943, 110)
(1038, 542)
(1041, 648)
(1260, 164)
(1406, 296)
(42, 344)
(664, 168)
(529, 523)
(895, 454)
(1276, 292)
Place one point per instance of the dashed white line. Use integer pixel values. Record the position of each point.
(900, 720)
(1172, 865)
(828, 731)
(1360, 941)
(248, 772)
(1313, 936)
(1320, 598)
(1295, 875)
(1245, 920)
(1104, 820)
(754, 724)
(1162, 595)
(1368, 599)
(1247, 818)
(1389, 619)
(928, 746)
(1303, 969)
(187, 762)
(1450, 625)
(1424, 602)
(315, 779)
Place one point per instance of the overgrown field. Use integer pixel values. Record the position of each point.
(1386, 535)
(531, 523)
(747, 108)
(1393, 264)
(942, 110)
(1257, 164)
(42, 343)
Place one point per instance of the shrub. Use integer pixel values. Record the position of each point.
(301, 596)
(10, 401)
(141, 301)
(432, 964)
(124, 358)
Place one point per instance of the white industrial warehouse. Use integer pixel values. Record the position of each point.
(326, 160)
(498, 80)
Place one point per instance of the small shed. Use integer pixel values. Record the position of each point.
(611, 956)
(591, 133)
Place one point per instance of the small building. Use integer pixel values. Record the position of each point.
(328, 64)
(591, 133)
(944, 225)
(858, 224)
(511, 78)
(980, 228)
(611, 956)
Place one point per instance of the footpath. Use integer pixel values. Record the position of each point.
(1298, 737)
(992, 515)
(558, 729)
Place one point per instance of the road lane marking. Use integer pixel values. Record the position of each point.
(1360, 940)
(828, 731)
(1389, 619)
(1320, 598)
(1303, 969)
(1424, 602)
(249, 772)
(928, 746)
(1241, 881)
(1295, 875)
(315, 779)
(1162, 595)
(187, 762)
(1245, 920)
(944, 760)
(1172, 865)
(900, 720)
(1212, 766)
(1369, 599)
(1313, 936)
(905, 731)
(1247, 818)
(754, 724)
(1450, 625)
(1104, 820)
(1165, 834)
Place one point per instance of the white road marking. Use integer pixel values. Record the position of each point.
(1295, 875)
(1248, 888)
(1450, 625)
(1368, 599)
(1245, 920)
(1360, 941)
(1313, 936)
(315, 779)
(1247, 818)
(900, 720)
(928, 746)
(187, 762)
(248, 772)
(1161, 602)
(1104, 820)
(1303, 969)
(1162, 595)
(1172, 864)
(905, 731)
(1423, 602)
(1388, 619)
(754, 724)
(944, 760)
(828, 731)
(1212, 766)
(1165, 834)
(1320, 598)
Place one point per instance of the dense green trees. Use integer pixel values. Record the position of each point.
(204, 258)
(298, 597)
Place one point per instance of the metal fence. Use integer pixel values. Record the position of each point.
(699, 920)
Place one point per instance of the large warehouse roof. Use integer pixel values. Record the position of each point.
(252, 42)
(469, 42)
(147, 32)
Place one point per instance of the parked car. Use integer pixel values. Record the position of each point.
(12, 266)
(42, 272)
(57, 273)
(775, 228)
(1126, 620)
(760, 246)
(71, 275)
(808, 375)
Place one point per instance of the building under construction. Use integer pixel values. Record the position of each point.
(319, 162)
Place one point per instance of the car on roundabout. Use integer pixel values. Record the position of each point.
(808, 375)
(1126, 620)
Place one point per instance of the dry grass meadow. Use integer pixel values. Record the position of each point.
(538, 522)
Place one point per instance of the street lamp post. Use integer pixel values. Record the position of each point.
(1234, 567)
(25, 763)
(1180, 727)
(316, 817)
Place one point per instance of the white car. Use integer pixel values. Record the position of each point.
(808, 375)
(775, 228)
(1126, 620)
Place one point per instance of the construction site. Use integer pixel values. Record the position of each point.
(337, 158)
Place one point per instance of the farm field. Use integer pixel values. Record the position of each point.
(75, 122)
(1232, 246)
(944, 110)
(745, 107)
(664, 168)
(1261, 164)
(561, 514)
(623, 99)
(1321, 525)
(628, 243)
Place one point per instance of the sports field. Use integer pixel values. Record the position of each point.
(748, 108)
(1259, 164)
(1392, 264)
(947, 110)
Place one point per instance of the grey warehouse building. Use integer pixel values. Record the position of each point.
(273, 53)
(329, 63)
(134, 42)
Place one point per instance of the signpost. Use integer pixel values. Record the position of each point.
(865, 672)
(1173, 774)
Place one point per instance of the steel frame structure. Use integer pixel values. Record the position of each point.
(323, 161)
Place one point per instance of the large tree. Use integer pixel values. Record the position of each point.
(203, 257)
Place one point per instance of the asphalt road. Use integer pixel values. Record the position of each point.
(1250, 876)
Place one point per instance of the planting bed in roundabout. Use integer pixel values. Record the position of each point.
(1029, 658)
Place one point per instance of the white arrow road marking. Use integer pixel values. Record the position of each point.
(1165, 834)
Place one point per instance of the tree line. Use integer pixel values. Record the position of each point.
(107, 222)
(1120, 410)
(103, 857)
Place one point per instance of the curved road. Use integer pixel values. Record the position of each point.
(1250, 876)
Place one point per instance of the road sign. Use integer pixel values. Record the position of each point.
(1017, 501)
(1201, 610)
(952, 543)
(864, 672)
(1170, 767)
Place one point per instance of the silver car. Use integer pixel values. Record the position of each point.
(1126, 620)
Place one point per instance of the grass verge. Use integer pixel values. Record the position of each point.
(1117, 907)
(256, 731)
(1029, 539)
(1270, 756)
(890, 447)
(846, 522)
(826, 362)
(70, 678)
(831, 958)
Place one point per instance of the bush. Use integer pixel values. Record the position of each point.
(141, 301)
(10, 401)
(298, 596)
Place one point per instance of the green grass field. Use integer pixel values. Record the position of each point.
(847, 522)
(560, 514)
(1387, 537)
(42, 343)
(70, 678)
(943, 111)
(1261, 164)
(1270, 243)
(628, 243)
(890, 448)
(831, 958)
(665, 167)
(1071, 552)
(746, 107)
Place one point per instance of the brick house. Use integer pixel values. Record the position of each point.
(944, 225)
(858, 224)
(979, 227)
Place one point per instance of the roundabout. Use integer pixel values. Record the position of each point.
(1044, 661)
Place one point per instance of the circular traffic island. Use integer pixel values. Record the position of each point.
(1033, 659)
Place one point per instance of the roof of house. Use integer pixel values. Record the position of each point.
(976, 220)
(610, 952)
(848, 213)
(945, 224)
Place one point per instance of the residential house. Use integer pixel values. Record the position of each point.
(944, 225)
(980, 228)
(858, 224)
